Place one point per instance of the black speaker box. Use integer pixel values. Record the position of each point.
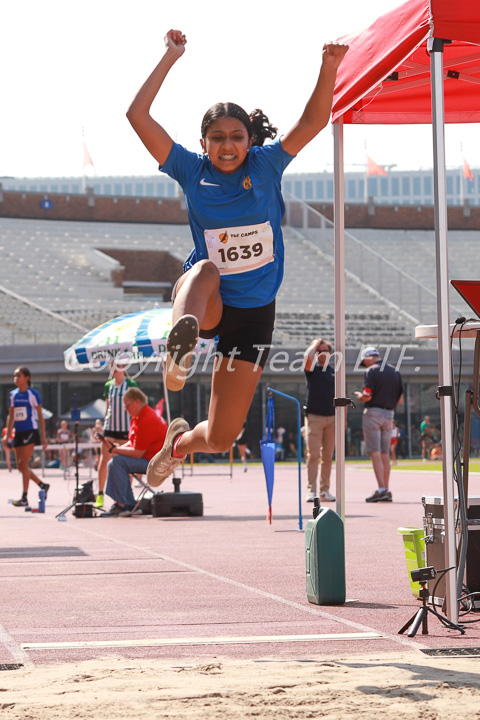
(181, 504)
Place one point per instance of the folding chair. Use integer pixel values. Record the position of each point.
(145, 488)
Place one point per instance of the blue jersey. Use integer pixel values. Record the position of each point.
(236, 219)
(25, 408)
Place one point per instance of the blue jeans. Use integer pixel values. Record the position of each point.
(119, 469)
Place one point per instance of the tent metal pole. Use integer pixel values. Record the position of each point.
(339, 257)
(443, 320)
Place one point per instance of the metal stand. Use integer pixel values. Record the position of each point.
(299, 450)
(470, 330)
(85, 494)
(145, 488)
(472, 404)
(75, 417)
(421, 617)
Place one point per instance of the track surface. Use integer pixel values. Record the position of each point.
(224, 585)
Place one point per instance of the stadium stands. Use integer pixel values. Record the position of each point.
(48, 262)
(22, 321)
(397, 267)
(414, 253)
(52, 265)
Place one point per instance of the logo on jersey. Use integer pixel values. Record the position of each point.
(204, 182)
(223, 237)
(247, 183)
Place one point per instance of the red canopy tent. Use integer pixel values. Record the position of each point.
(385, 76)
(419, 63)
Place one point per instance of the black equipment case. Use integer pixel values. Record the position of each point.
(434, 526)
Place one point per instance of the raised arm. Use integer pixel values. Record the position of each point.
(157, 141)
(309, 356)
(317, 111)
(10, 423)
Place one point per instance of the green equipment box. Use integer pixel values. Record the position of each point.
(325, 558)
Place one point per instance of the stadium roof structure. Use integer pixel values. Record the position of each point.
(418, 63)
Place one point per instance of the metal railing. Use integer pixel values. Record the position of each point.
(364, 265)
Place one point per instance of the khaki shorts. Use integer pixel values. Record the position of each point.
(377, 430)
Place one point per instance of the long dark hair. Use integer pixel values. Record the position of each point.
(25, 371)
(257, 123)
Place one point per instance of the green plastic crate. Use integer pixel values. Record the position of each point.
(414, 543)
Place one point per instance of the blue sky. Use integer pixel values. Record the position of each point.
(73, 65)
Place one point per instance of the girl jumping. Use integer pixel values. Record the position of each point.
(231, 278)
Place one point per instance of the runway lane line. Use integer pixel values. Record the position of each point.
(159, 642)
(311, 609)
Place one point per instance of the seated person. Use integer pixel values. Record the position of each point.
(145, 439)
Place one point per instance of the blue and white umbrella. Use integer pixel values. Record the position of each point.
(137, 336)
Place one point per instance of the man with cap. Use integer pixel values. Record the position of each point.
(382, 391)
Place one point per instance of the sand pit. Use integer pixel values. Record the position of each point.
(393, 686)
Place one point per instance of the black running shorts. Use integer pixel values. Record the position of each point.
(26, 437)
(247, 331)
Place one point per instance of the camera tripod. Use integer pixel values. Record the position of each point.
(75, 417)
(421, 617)
(83, 494)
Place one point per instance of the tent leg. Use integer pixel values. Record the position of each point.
(339, 257)
(443, 320)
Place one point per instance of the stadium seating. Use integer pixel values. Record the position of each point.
(413, 252)
(50, 264)
(22, 322)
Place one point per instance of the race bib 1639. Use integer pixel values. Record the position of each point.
(240, 249)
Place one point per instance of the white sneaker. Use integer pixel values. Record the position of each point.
(311, 496)
(163, 464)
(181, 343)
(325, 495)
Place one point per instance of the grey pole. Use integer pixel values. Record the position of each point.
(339, 257)
(409, 420)
(443, 320)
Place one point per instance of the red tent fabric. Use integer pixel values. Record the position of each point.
(456, 20)
(385, 76)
